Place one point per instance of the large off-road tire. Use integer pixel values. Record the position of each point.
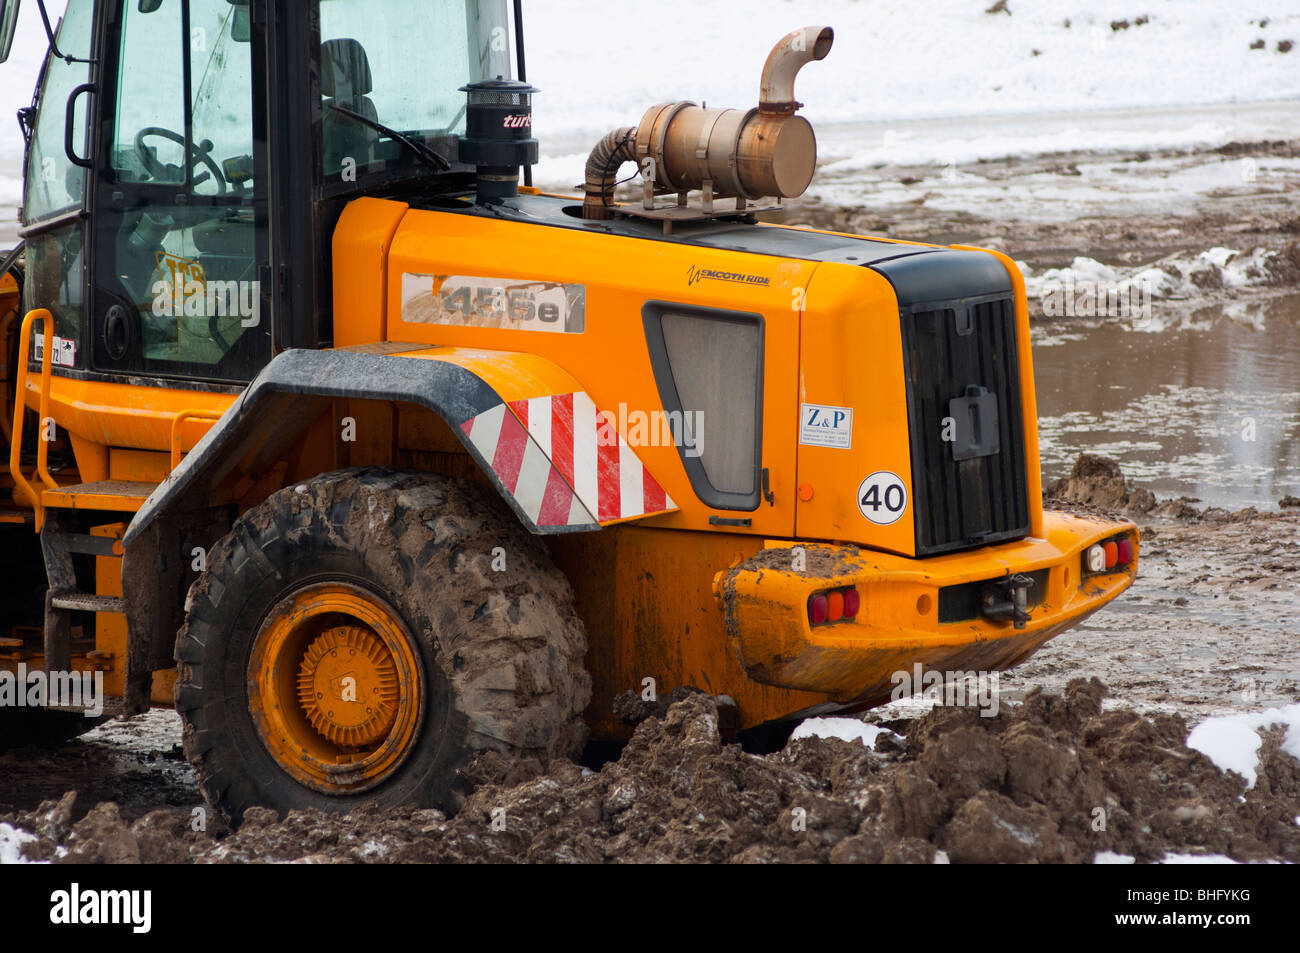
(457, 633)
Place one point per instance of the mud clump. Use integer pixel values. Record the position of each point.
(1096, 485)
(633, 709)
(1053, 780)
(1098, 481)
(103, 837)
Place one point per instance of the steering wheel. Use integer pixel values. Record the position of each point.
(199, 153)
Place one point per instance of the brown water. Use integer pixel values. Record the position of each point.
(1205, 404)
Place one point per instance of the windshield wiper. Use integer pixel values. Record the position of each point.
(419, 148)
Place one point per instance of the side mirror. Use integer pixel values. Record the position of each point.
(8, 24)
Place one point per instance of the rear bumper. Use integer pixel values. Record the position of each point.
(898, 625)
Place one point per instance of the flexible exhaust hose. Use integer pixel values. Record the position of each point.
(603, 164)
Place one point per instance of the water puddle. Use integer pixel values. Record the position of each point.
(1205, 404)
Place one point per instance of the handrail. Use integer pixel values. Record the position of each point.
(20, 404)
(47, 366)
(179, 419)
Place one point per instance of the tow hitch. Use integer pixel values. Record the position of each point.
(1008, 599)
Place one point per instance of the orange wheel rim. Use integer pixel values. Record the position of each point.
(334, 688)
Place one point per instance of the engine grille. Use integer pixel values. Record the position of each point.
(969, 479)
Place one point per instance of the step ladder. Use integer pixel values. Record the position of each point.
(61, 540)
(57, 511)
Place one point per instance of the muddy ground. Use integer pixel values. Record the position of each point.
(1057, 778)
(1070, 769)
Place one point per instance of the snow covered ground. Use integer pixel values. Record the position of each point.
(1046, 76)
(896, 59)
(899, 72)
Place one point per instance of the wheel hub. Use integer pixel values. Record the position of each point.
(335, 688)
(347, 686)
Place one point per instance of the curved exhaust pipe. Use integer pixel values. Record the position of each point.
(746, 154)
(796, 50)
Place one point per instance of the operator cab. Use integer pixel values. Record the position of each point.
(187, 161)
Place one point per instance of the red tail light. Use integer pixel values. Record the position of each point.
(834, 605)
(1112, 554)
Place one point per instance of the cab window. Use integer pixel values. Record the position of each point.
(55, 187)
(401, 63)
(182, 293)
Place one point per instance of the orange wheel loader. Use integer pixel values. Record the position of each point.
(390, 472)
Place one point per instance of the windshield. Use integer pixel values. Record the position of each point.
(401, 63)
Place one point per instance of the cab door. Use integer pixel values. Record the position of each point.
(180, 244)
(54, 186)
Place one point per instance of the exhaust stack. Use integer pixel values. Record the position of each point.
(745, 154)
(797, 50)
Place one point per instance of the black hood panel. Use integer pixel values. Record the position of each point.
(719, 234)
(944, 275)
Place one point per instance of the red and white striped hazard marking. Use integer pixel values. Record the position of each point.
(585, 446)
(525, 470)
(571, 439)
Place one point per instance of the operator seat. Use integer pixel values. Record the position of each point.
(345, 80)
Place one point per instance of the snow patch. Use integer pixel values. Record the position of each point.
(1196, 859)
(1175, 276)
(1110, 857)
(1232, 742)
(845, 729)
(12, 840)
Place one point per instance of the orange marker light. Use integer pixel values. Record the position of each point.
(834, 605)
